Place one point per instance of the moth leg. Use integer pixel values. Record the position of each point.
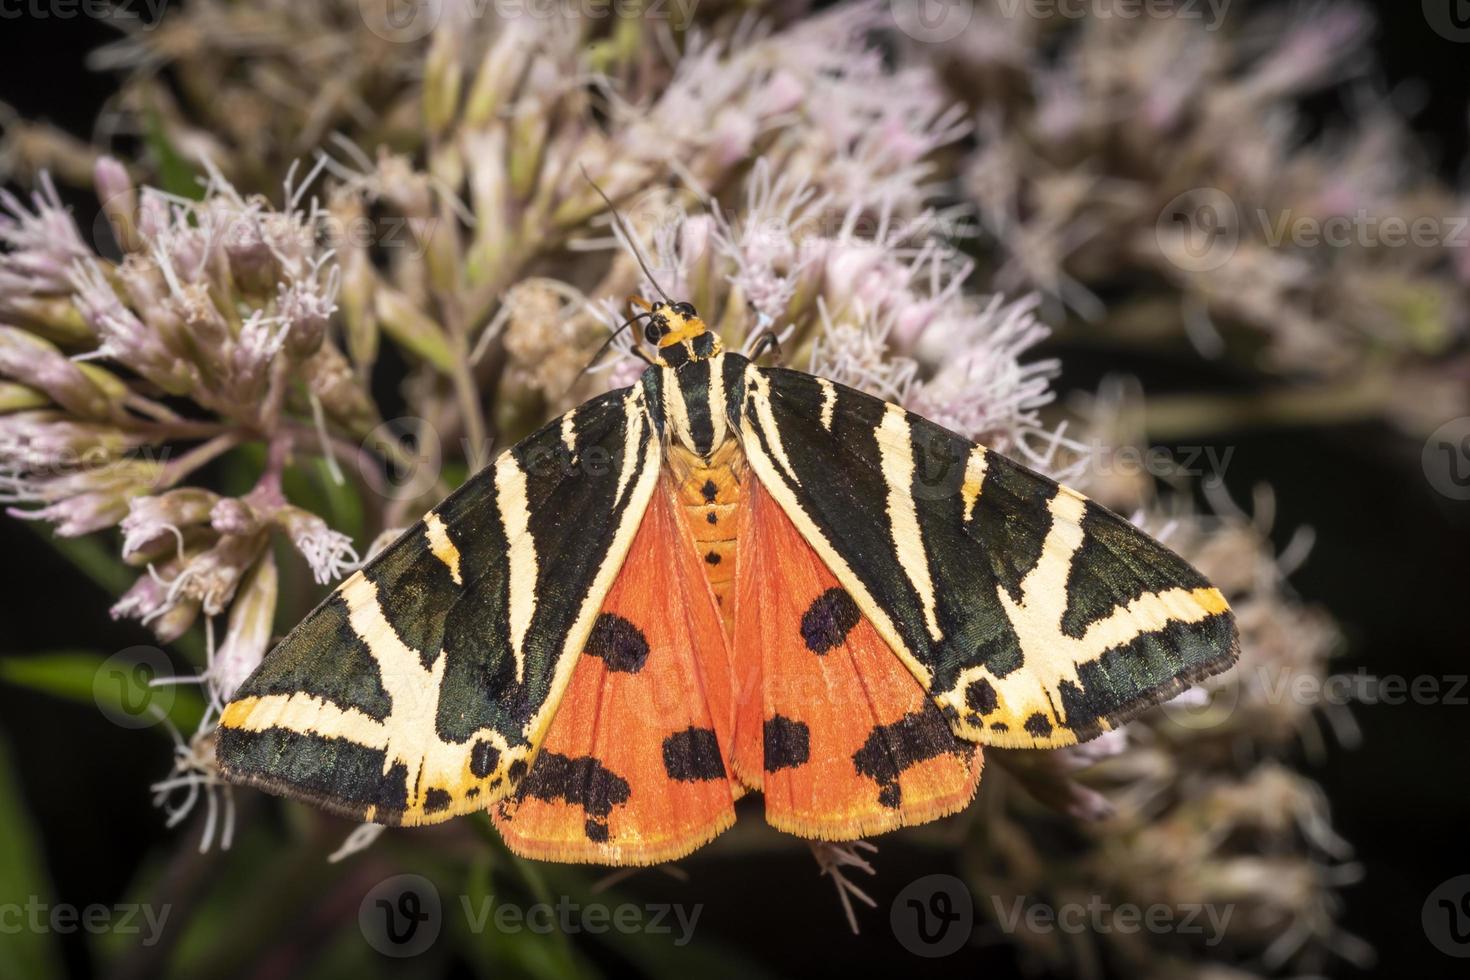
(768, 340)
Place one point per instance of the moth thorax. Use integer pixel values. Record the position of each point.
(708, 491)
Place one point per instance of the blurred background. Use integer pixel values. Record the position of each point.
(1229, 243)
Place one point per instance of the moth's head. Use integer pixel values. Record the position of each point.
(677, 334)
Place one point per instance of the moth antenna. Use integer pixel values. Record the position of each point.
(623, 227)
(608, 343)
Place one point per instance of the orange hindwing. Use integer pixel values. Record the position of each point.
(829, 722)
(631, 770)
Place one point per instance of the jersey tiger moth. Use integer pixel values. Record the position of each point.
(726, 577)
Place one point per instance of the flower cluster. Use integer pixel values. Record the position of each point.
(221, 303)
(1160, 162)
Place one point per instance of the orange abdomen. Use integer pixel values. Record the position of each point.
(709, 498)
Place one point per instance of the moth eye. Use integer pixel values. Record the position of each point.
(685, 309)
(657, 305)
(652, 333)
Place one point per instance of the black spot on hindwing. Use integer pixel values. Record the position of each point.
(621, 645)
(891, 749)
(787, 743)
(828, 620)
(582, 782)
(693, 754)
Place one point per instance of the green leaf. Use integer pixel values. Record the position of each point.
(310, 486)
(518, 950)
(28, 953)
(175, 174)
(344, 504)
(73, 675)
(92, 558)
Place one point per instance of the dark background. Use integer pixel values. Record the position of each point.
(1388, 564)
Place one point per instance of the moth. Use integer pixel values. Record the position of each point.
(724, 578)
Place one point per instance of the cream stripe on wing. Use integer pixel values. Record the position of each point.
(829, 402)
(632, 432)
(412, 690)
(896, 447)
(762, 394)
(675, 410)
(515, 519)
(442, 547)
(974, 480)
(306, 715)
(716, 399)
(1150, 613)
(569, 431)
(1044, 589)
